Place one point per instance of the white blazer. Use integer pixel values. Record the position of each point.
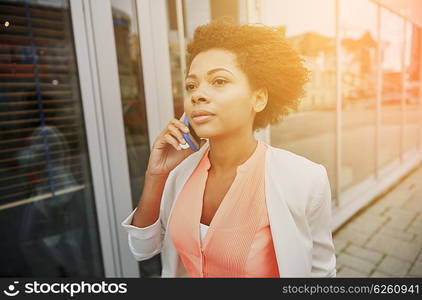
(298, 199)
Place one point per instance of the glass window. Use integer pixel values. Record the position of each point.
(126, 35)
(412, 83)
(392, 40)
(310, 131)
(132, 91)
(358, 63)
(47, 210)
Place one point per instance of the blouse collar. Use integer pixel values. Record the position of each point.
(246, 164)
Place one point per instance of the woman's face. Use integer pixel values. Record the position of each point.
(216, 84)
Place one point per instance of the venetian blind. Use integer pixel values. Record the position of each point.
(40, 108)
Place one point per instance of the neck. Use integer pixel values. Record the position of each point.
(227, 153)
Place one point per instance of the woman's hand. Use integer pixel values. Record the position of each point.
(166, 153)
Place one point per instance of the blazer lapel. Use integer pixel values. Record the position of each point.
(291, 252)
(186, 169)
(173, 267)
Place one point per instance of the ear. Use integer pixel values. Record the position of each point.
(260, 100)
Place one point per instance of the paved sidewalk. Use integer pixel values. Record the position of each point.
(385, 239)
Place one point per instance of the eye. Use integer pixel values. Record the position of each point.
(220, 81)
(189, 86)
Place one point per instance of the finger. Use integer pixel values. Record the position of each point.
(172, 141)
(165, 129)
(176, 132)
(180, 124)
(184, 146)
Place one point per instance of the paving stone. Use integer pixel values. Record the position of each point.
(418, 218)
(413, 205)
(419, 259)
(414, 200)
(391, 195)
(377, 209)
(372, 217)
(366, 225)
(417, 222)
(418, 189)
(397, 233)
(380, 274)
(395, 198)
(415, 228)
(362, 228)
(397, 212)
(365, 254)
(399, 223)
(381, 203)
(410, 183)
(418, 239)
(348, 272)
(416, 270)
(400, 249)
(339, 245)
(356, 263)
(352, 236)
(417, 192)
(394, 266)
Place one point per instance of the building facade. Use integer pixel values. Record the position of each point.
(86, 86)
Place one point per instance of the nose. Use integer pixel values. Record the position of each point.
(198, 96)
(198, 99)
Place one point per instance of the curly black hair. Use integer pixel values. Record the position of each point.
(266, 57)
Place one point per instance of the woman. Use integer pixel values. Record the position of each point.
(238, 207)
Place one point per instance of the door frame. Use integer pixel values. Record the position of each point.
(100, 92)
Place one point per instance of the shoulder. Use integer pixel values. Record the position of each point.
(301, 178)
(294, 163)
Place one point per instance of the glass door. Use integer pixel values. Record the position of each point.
(48, 214)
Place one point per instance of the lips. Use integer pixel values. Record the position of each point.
(199, 113)
(201, 116)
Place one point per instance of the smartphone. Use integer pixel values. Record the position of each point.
(192, 139)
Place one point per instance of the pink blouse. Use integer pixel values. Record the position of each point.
(238, 242)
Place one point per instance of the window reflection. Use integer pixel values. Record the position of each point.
(358, 89)
(47, 211)
(132, 91)
(412, 86)
(310, 132)
(392, 40)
